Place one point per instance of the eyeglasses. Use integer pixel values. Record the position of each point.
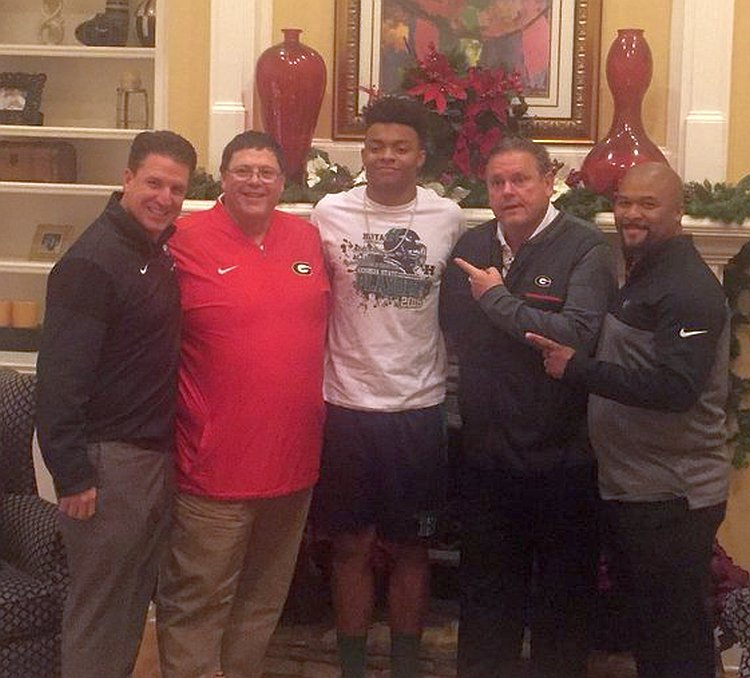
(265, 174)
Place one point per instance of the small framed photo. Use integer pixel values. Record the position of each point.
(21, 98)
(50, 241)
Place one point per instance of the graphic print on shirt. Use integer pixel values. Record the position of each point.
(389, 268)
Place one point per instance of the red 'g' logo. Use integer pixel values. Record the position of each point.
(302, 268)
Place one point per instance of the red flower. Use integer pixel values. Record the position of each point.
(477, 104)
(438, 82)
(437, 92)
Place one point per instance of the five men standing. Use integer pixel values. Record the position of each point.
(250, 418)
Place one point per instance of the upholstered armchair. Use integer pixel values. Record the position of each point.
(33, 574)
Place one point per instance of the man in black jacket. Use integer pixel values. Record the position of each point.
(528, 481)
(658, 388)
(106, 396)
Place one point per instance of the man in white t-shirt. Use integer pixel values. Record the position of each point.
(383, 469)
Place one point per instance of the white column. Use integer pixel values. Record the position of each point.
(240, 31)
(700, 84)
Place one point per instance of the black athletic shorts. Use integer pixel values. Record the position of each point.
(386, 469)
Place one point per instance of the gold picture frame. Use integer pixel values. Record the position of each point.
(50, 242)
(566, 114)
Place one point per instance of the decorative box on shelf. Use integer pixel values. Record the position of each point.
(47, 161)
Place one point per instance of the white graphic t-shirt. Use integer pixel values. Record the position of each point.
(385, 349)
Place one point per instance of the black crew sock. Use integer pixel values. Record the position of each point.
(352, 655)
(404, 655)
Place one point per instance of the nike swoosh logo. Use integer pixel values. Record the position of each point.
(222, 271)
(691, 333)
(144, 269)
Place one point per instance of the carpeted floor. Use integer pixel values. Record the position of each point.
(601, 666)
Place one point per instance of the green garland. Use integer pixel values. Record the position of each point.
(583, 203)
(721, 202)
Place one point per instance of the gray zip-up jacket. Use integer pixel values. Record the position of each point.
(659, 383)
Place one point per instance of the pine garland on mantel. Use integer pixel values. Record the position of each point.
(729, 203)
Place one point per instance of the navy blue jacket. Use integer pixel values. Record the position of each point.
(560, 285)
(107, 366)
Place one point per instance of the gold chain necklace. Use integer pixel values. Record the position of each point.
(365, 199)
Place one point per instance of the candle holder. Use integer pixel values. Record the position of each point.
(132, 103)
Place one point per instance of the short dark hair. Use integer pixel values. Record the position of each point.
(252, 139)
(162, 142)
(400, 110)
(515, 143)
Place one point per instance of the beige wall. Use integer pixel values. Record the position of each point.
(187, 71)
(739, 138)
(734, 533)
(654, 18)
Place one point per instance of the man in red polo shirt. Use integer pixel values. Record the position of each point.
(250, 416)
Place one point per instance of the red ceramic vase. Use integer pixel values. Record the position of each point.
(629, 68)
(291, 81)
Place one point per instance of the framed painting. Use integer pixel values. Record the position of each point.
(50, 242)
(552, 44)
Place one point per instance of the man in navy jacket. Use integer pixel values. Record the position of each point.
(106, 402)
(528, 483)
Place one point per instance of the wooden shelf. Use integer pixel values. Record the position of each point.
(77, 51)
(40, 131)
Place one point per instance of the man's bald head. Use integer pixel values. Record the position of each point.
(662, 177)
(648, 207)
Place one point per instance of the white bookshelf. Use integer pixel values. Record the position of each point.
(79, 104)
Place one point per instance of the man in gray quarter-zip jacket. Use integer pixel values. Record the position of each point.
(658, 387)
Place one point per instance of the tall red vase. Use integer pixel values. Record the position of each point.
(629, 68)
(291, 81)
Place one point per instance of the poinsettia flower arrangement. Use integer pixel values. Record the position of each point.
(480, 105)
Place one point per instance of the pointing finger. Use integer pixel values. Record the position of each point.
(466, 266)
(540, 342)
